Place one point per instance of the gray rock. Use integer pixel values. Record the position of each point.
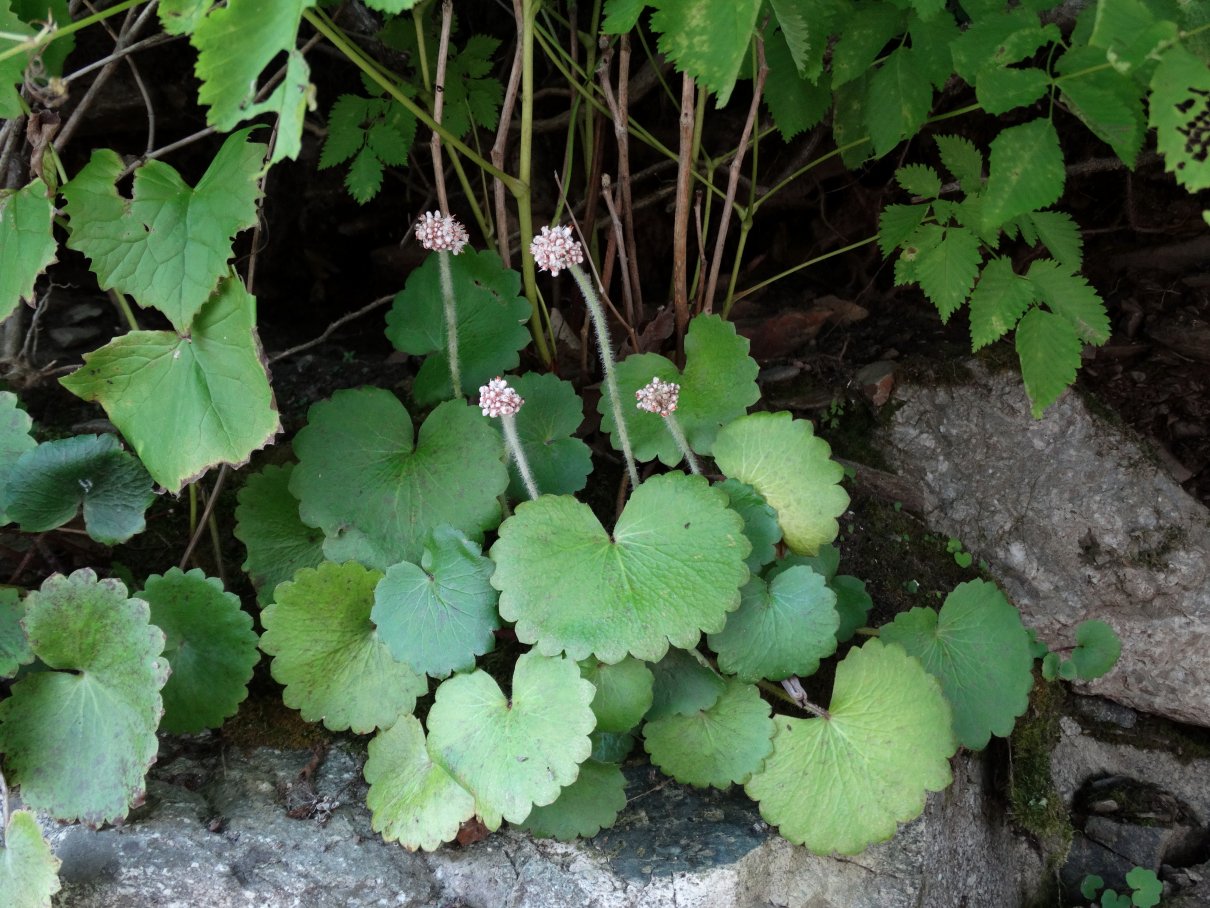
(1076, 520)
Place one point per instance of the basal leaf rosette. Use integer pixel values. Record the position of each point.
(327, 653)
(979, 651)
(512, 753)
(589, 804)
(718, 384)
(624, 692)
(844, 782)
(785, 462)
(377, 489)
(78, 738)
(718, 746)
(671, 569)
(29, 870)
(14, 647)
(412, 800)
(279, 544)
(210, 646)
(560, 462)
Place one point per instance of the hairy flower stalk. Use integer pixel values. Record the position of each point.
(446, 236)
(497, 399)
(661, 397)
(553, 250)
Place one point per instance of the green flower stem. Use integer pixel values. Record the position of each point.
(606, 349)
(525, 217)
(451, 321)
(509, 422)
(678, 435)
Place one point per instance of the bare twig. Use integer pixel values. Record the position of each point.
(501, 144)
(443, 51)
(627, 289)
(618, 109)
(211, 500)
(153, 41)
(680, 221)
(331, 329)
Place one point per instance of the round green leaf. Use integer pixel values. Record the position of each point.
(513, 753)
(29, 870)
(328, 655)
(760, 521)
(826, 562)
(78, 739)
(49, 483)
(210, 646)
(560, 463)
(623, 692)
(786, 463)
(842, 783)
(718, 384)
(611, 747)
(14, 647)
(671, 569)
(377, 491)
(853, 604)
(684, 684)
(412, 800)
(589, 804)
(15, 440)
(717, 746)
(1097, 649)
(439, 615)
(979, 651)
(279, 544)
(781, 628)
(491, 316)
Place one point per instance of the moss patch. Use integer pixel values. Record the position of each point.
(1034, 803)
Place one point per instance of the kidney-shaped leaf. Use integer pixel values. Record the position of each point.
(29, 870)
(684, 682)
(513, 752)
(760, 521)
(186, 403)
(328, 654)
(78, 739)
(1097, 649)
(844, 782)
(589, 804)
(559, 461)
(279, 544)
(671, 569)
(782, 458)
(624, 692)
(377, 491)
(15, 440)
(14, 647)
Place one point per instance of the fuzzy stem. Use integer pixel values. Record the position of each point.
(606, 350)
(683, 443)
(509, 422)
(451, 322)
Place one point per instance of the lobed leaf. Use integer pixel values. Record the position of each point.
(27, 242)
(684, 683)
(279, 544)
(589, 804)
(559, 461)
(624, 692)
(29, 870)
(946, 270)
(760, 521)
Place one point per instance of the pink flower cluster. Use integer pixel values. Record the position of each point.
(496, 398)
(441, 233)
(554, 249)
(659, 397)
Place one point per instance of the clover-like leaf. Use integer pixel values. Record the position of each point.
(14, 647)
(377, 490)
(718, 384)
(560, 462)
(186, 404)
(47, 486)
(785, 462)
(979, 651)
(279, 544)
(439, 615)
(1097, 649)
(15, 440)
(760, 521)
(210, 646)
(27, 242)
(717, 746)
(624, 692)
(843, 782)
(29, 870)
(513, 752)
(671, 569)
(589, 804)
(78, 739)
(781, 628)
(684, 684)
(491, 316)
(328, 654)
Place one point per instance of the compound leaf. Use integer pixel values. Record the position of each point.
(329, 656)
(29, 870)
(624, 692)
(707, 39)
(14, 647)
(897, 223)
(1180, 109)
(1109, 104)
(559, 461)
(1130, 33)
(1058, 232)
(760, 521)
(1000, 89)
(376, 132)
(1097, 649)
(1070, 296)
(862, 39)
(27, 243)
(946, 270)
(15, 441)
(963, 160)
(589, 804)
(279, 544)
(997, 302)
(899, 100)
(843, 782)
(1027, 172)
(796, 102)
(684, 684)
(79, 738)
(919, 179)
(1049, 350)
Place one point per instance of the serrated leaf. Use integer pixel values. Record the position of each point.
(12, 71)
(997, 302)
(897, 223)
(364, 178)
(180, 17)
(782, 628)
(621, 16)
(328, 655)
(1049, 350)
(210, 646)
(1000, 89)
(27, 242)
(684, 684)
(718, 384)
(844, 782)
(512, 753)
(15, 441)
(899, 100)
(412, 800)
(279, 544)
(849, 129)
(718, 746)
(760, 522)
(1070, 296)
(346, 132)
(947, 270)
(187, 403)
(472, 95)
(589, 804)
(919, 179)
(1097, 649)
(491, 316)
(931, 37)
(1027, 171)
(865, 33)
(560, 462)
(1061, 235)
(963, 160)
(377, 489)
(168, 246)
(979, 651)
(1180, 111)
(79, 737)
(14, 647)
(29, 870)
(48, 485)
(624, 692)
(1130, 33)
(1109, 104)
(987, 36)
(707, 39)
(781, 458)
(671, 569)
(796, 102)
(804, 34)
(437, 616)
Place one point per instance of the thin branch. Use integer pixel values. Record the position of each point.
(153, 41)
(501, 144)
(332, 328)
(680, 220)
(627, 290)
(201, 527)
(443, 51)
(618, 110)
